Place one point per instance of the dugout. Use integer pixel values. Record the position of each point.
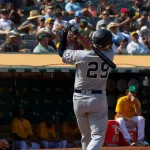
(42, 83)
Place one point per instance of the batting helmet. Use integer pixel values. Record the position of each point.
(102, 38)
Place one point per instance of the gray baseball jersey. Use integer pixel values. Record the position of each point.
(90, 109)
(91, 71)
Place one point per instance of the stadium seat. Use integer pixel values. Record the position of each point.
(24, 18)
(1, 41)
(29, 37)
(2, 36)
(30, 44)
(25, 10)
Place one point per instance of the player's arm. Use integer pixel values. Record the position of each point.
(63, 40)
(137, 106)
(137, 109)
(119, 115)
(63, 43)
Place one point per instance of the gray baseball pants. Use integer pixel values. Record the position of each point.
(91, 111)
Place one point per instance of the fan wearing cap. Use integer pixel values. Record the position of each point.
(30, 26)
(142, 21)
(43, 39)
(49, 12)
(76, 20)
(5, 23)
(123, 21)
(89, 97)
(117, 35)
(135, 47)
(85, 29)
(13, 43)
(49, 24)
(128, 115)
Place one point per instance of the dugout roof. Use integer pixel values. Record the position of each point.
(53, 63)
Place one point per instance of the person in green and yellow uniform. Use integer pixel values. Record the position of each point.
(47, 134)
(70, 132)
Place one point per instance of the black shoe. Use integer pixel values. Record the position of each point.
(130, 142)
(142, 143)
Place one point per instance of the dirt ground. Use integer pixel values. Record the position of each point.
(126, 148)
(111, 148)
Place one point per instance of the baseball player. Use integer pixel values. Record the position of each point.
(128, 115)
(89, 98)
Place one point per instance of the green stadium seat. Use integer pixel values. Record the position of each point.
(2, 36)
(29, 37)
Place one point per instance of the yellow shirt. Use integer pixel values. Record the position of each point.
(47, 133)
(71, 131)
(126, 108)
(22, 128)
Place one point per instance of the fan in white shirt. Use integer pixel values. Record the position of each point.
(135, 47)
(58, 23)
(5, 24)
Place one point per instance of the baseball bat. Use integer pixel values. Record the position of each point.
(98, 52)
(104, 58)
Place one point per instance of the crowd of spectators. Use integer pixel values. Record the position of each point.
(22, 20)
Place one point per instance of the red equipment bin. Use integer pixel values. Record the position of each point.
(112, 134)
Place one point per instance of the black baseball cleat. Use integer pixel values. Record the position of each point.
(130, 142)
(142, 143)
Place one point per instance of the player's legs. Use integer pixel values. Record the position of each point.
(45, 143)
(61, 144)
(34, 146)
(123, 128)
(80, 109)
(85, 130)
(98, 121)
(98, 130)
(140, 121)
(20, 145)
(51, 144)
(91, 112)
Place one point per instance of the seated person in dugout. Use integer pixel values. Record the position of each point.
(128, 115)
(47, 135)
(22, 132)
(70, 132)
